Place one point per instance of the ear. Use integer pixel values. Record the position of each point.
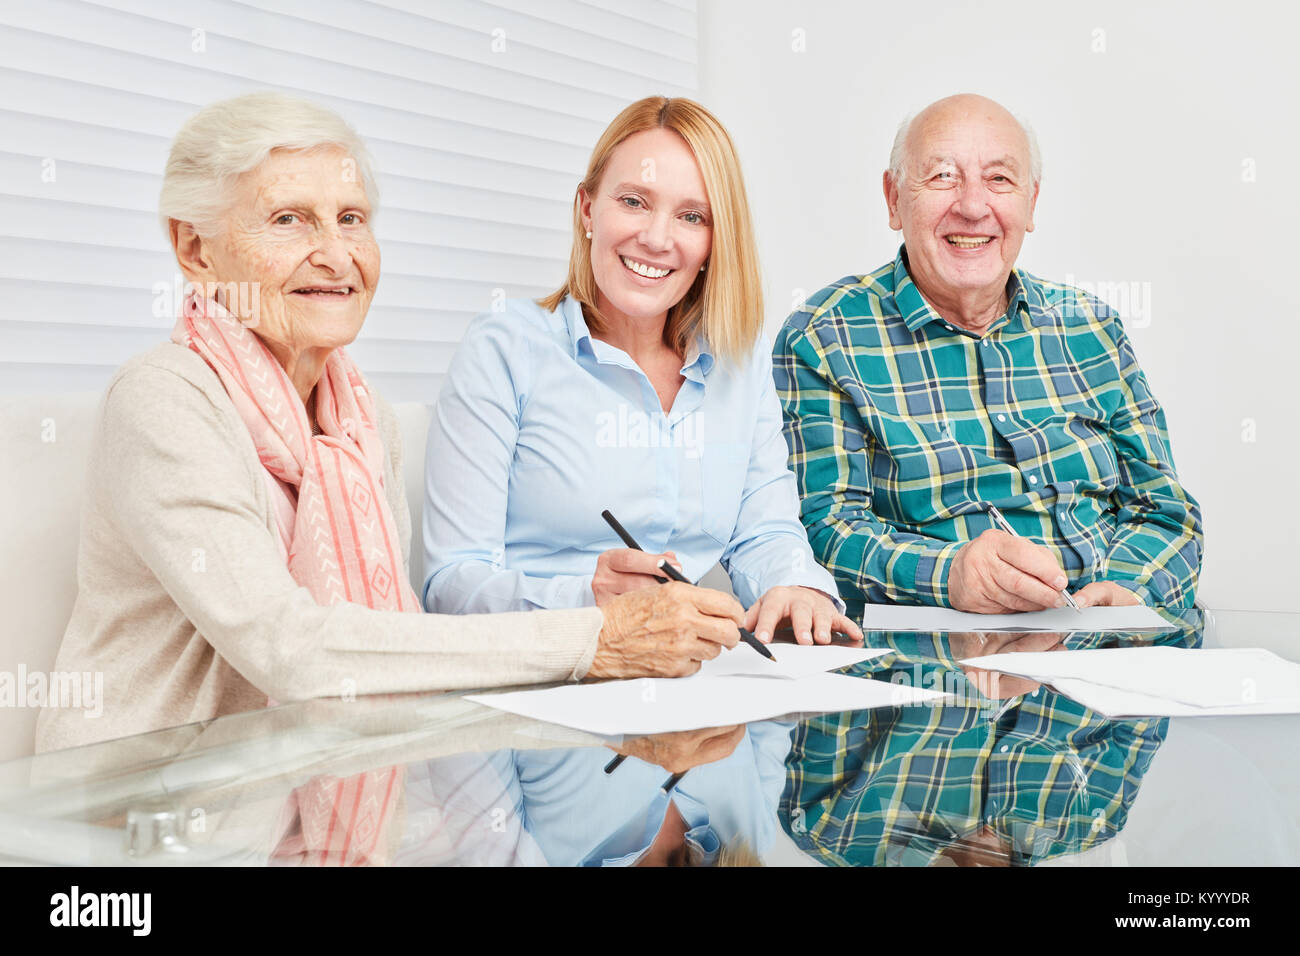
(192, 253)
(583, 201)
(891, 201)
(1033, 204)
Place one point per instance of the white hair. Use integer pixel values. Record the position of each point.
(898, 155)
(226, 139)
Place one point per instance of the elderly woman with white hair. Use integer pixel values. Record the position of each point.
(246, 533)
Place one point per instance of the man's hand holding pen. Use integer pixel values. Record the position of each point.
(998, 573)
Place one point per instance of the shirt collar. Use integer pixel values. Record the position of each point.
(1033, 300)
(575, 324)
(916, 312)
(699, 360)
(626, 845)
(699, 357)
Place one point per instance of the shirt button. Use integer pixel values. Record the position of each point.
(1003, 749)
(948, 327)
(1033, 479)
(986, 343)
(1002, 418)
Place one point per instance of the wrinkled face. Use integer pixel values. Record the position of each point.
(965, 201)
(651, 226)
(299, 232)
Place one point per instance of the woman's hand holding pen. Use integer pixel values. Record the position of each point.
(665, 631)
(812, 615)
(620, 570)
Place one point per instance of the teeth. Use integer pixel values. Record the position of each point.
(641, 269)
(969, 242)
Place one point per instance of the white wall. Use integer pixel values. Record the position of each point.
(480, 117)
(1144, 146)
(1148, 148)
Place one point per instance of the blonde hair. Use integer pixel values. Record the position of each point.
(739, 853)
(725, 302)
(228, 138)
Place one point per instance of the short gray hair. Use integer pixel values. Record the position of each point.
(898, 155)
(226, 139)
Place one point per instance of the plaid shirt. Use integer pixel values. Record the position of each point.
(898, 786)
(903, 427)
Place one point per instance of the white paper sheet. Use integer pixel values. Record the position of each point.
(792, 660)
(1122, 703)
(1222, 677)
(899, 617)
(665, 705)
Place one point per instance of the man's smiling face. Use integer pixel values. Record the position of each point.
(965, 199)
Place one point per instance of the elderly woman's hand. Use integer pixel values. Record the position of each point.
(665, 631)
(812, 616)
(680, 751)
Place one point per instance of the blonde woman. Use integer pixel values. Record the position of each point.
(642, 386)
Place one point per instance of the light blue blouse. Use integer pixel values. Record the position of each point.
(540, 427)
(557, 807)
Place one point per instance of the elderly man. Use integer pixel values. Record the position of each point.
(949, 381)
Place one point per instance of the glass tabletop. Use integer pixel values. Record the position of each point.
(1002, 771)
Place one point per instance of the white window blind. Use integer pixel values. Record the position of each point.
(480, 117)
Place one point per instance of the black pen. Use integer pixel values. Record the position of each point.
(672, 572)
(745, 634)
(667, 784)
(613, 764)
(672, 781)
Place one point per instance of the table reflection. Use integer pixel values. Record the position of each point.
(560, 807)
(1004, 773)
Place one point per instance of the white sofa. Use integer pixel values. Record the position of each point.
(46, 440)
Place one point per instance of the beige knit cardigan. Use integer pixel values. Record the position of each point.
(185, 604)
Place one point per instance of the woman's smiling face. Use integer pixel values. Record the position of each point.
(651, 226)
(299, 233)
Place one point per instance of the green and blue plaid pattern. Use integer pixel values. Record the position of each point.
(900, 785)
(903, 429)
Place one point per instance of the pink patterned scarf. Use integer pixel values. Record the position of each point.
(339, 538)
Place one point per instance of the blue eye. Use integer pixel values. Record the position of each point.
(632, 201)
(694, 218)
